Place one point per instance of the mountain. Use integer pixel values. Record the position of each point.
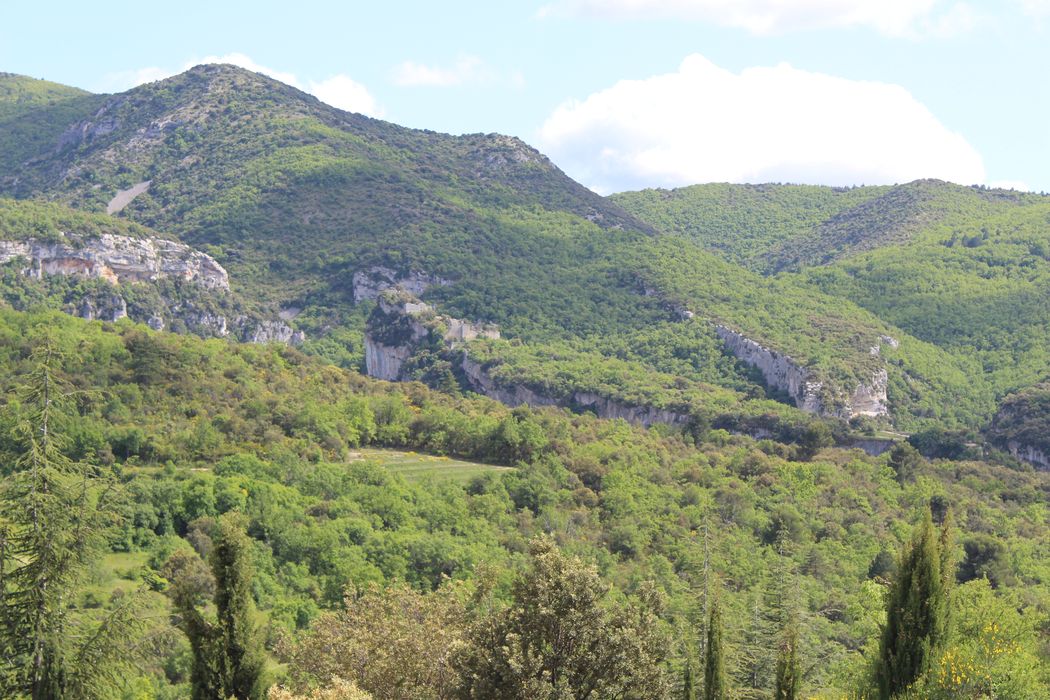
(297, 200)
(739, 381)
(771, 228)
(965, 269)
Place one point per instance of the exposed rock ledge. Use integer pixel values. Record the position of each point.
(808, 392)
(1029, 453)
(370, 283)
(483, 383)
(401, 323)
(122, 260)
(117, 259)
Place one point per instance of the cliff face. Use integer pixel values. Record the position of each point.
(1031, 454)
(604, 407)
(1022, 426)
(401, 325)
(809, 392)
(185, 289)
(370, 283)
(118, 260)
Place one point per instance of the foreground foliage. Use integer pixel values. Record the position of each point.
(195, 430)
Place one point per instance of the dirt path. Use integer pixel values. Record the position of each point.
(124, 197)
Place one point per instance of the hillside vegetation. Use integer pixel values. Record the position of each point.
(192, 430)
(294, 197)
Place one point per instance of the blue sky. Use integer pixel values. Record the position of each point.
(622, 94)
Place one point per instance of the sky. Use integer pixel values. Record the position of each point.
(621, 94)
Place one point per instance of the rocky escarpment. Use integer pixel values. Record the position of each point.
(370, 283)
(809, 392)
(481, 381)
(117, 259)
(1022, 426)
(1035, 456)
(401, 325)
(164, 284)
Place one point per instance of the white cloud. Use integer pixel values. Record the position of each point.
(1035, 8)
(345, 93)
(891, 17)
(765, 124)
(338, 90)
(466, 69)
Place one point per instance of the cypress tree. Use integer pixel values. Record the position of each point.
(715, 685)
(228, 661)
(241, 644)
(688, 684)
(917, 609)
(789, 671)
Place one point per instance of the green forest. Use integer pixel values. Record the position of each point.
(210, 499)
(189, 516)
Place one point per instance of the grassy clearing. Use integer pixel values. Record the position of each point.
(414, 466)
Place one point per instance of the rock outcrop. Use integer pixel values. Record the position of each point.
(117, 259)
(202, 284)
(481, 381)
(1022, 426)
(809, 392)
(401, 324)
(1031, 454)
(370, 283)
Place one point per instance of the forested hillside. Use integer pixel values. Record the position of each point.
(962, 268)
(183, 514)
(294, 198)
(189, 431)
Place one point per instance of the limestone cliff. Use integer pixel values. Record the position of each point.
(164, 284)
(481, 381)
(401, 325)
(1031, 454)
(809, 392)
(117, 259)
(370, 283)
(1022, 426)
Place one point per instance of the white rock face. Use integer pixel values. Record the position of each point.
(603, 407)
(273, 332)
(779, 370)
(1027, 453)
(108, 307)
(370, 283)
(384, 361)
(117, 259)
(782, 372)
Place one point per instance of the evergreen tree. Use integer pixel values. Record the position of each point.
(54, 513)
(688, 684)
(716, 686)
(241, 643)
(917, 609)
(228, 661)
(560, 640)
(789, 671)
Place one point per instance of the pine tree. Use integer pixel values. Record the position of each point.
(917, 609)
(54, 513)
(715, 683)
